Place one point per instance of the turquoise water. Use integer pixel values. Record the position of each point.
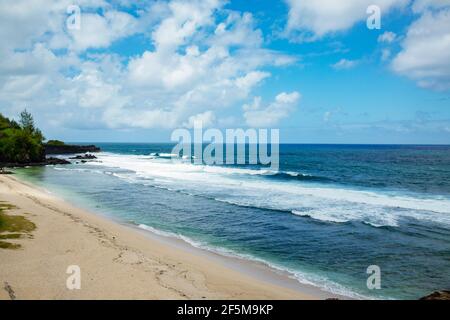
(325, 216)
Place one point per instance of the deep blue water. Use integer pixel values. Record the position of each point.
(326, 215)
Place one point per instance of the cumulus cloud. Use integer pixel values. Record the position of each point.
(421, 5)
(100, 31)
(344, 64)
(315, 19)
(205, 119)
(425, 54)
(199, 59)
(257, 115)
(385, 54)
(387, 37)
(213, 70)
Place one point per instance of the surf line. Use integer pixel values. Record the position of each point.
(209, 146)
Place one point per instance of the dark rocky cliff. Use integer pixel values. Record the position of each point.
(69, 149)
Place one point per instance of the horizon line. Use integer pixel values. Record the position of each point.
(281, 143)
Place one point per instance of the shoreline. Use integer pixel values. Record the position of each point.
(259, 270)
(123, 261)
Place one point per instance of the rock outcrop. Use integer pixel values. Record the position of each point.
(69, 149)
(86, 156)
(53, 161)
(47, 161)
(438, 295)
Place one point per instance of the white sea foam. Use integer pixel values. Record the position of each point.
(305, 278)
(331, 203)
(80, 170)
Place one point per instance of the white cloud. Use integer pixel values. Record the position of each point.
(200, 58)
(344, 64)
(92, 91)
(184, 20)
(216, 70)
(251, 79)
(425, 54)
(315, 19)
(259, 116)
(205, 119)
(422, 5)
(385, 54)
(387, 37)
(100, 31)
(24, 22)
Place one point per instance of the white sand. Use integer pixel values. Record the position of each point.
(116, 262)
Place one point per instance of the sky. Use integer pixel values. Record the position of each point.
(133, 71)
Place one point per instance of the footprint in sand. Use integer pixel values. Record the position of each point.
(129, 257)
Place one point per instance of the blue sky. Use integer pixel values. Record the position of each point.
(134, 71)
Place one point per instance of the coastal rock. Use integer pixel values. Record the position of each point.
(47, 161)
(86, 156)
(3, 171)
(69, 149)
(438, 295)
(54, 161)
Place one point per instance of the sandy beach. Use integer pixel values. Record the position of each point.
(116, 262)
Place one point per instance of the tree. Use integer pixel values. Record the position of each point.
(20, 143)
(27, 121)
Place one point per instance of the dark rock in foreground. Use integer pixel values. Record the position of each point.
(438, 295)
(53, 161)
(69, 149)
(47, 161)
(84, 157)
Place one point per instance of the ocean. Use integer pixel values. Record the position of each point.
(324, 217)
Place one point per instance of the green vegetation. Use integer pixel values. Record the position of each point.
(57, 143)
(20, 142)
(14, 227)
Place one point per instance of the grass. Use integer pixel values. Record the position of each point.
(14, 226)
(9, 245)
